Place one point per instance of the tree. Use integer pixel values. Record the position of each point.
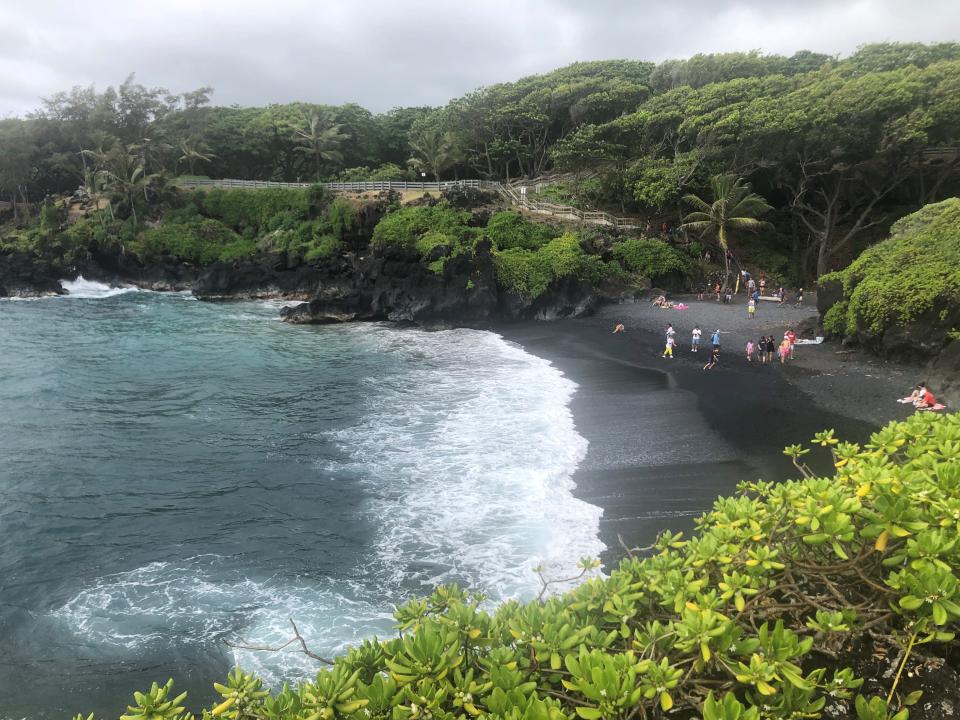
(126, 179)
(320, 138)
(191, 154)
(735, 207)
(432, 148)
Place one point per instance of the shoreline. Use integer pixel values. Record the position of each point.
(667, 438)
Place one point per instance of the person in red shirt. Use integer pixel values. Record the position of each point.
(925, 398)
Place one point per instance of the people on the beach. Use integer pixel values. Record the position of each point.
(781, 295)
(695, 339)
(700, 291)
(662, 302)
(790, 336)
(669, 332)
(749, 350)
(618, 328)
(751, 285)
(716, 290)
(715, 339)
(925, 399)
(799, 301)
(751, 308)
(714, 358)
(727, 297)
(668, 351)
(784, 351)
(763, 285)
(770, 347)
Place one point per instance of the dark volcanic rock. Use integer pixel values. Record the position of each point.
(829, 293)
(24, 275)
(264, 275)
(943, 374)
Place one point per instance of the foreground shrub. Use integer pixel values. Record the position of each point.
(403, 227)
(201, 242)
(750, 618)
(510, 229)
(650, 258)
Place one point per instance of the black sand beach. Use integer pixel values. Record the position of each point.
(666, 437)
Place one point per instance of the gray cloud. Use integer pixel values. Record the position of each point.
(385, 54)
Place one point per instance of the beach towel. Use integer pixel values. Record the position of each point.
(936, 408)
(807, 341)
(680, 306)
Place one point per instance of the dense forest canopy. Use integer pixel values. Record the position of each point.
(837, 146)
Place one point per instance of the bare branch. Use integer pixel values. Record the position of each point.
(297, 638)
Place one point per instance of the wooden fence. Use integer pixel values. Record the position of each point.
(512, 193)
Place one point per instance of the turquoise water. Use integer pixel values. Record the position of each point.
(176, 473)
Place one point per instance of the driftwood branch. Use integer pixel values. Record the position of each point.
(297, 638)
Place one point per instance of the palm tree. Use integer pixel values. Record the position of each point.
(432, 149)
(735, 207)
(191, 153)
(126, 179)
(320, 138)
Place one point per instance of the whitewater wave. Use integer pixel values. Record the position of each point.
(92, 290)
(465, 448)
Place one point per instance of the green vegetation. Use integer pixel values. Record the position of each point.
(650, 258)
(914, 273)
(734, 209)
(838, 147)
(407, 227)
(754, 616)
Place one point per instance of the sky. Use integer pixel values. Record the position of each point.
(388, 53)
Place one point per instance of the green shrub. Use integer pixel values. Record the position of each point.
(721, 626)
(835, 320)
(258, 208)
(528, 273)
(201, 242)
(650, 258)
(915, 272)
(510, 229)
(405, 226)
(324, 247)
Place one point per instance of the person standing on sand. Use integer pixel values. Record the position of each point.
(668, 351)
(695, 339)
(763, 285)
(749, 350)
(751, 308)
(715, 339)
(799, 301)
(716, 290)
(791, 336)
(784, 351)
(670, 333)
(700, 290)
(770, 346)
(714, 358)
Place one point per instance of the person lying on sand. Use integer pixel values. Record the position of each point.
(662, 302)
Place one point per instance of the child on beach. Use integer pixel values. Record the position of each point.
(751, 308)
(668, 351)
(715, 339)
(695, 339)
(749, 350)
(784, 351)
(714, 358)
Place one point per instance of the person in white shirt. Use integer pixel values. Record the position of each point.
(695, 339)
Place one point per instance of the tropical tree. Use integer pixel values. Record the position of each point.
(735, 208)
(433, 148)
(192, 152)
(126, 179)
(320, 138)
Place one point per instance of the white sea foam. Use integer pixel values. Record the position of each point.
(466, 450)
(90, 289)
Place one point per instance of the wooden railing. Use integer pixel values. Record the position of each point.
(344, 186)
(514, 194)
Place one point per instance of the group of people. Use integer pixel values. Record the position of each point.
(922, 399)
(753, 290)
(764, 348)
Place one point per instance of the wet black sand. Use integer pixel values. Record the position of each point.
(665, 437)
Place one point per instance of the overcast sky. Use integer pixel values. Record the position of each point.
(385, 54)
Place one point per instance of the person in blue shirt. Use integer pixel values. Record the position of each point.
(715, 339)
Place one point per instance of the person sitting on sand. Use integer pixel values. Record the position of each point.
(618, 328)
(925, 398)
(662, 302)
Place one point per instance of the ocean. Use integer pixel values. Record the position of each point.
(174, 474)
